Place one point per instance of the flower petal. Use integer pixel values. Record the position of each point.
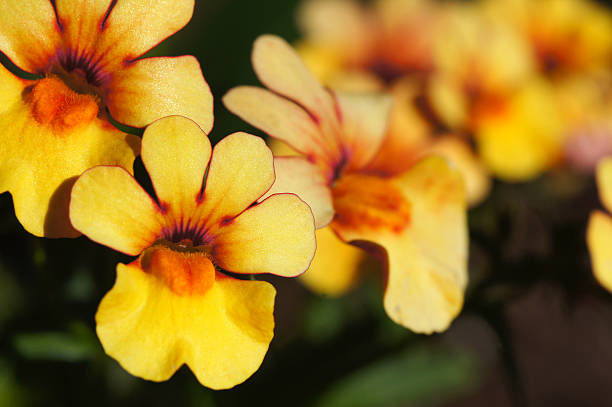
(222, 335)
(29, 35)
(175, 153)
(39, 164)
(108, 206)
(151, 88)
(604, 182)
(278, 117)
(407, 134)
(526, 139)
(275, 236)
(335, 267)
(114, 32)
(297, 176)
(475, 175)
(599, 239)
(426, 252)
(241, 171)
(364, 119)
(279, 67)
(81, 23)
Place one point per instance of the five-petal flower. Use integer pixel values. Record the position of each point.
(417, 216)
(175, 304)
(87, 54)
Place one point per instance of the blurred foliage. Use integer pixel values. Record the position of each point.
(419, 375)
(76, 344)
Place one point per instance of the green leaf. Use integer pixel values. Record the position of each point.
(420, 375)
(76, 345)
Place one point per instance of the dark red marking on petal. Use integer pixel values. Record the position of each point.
(182, 231)
(228, 220)
(164, 207)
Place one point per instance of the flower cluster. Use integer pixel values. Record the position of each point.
(387, 121)
(526, 80)
(69, 170)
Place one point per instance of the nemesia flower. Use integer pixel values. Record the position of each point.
(486, 85)
(417, 217)
(388, 47)
(599, 231)
(388, 39)
(571, 42)
(174, 304)
(87, 54)
(565, 36)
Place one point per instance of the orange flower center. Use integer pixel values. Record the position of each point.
(185, 269)
(368, 201)
(56, 105)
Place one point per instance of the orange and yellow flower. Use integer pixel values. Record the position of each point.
(388, 46)
(571, 44)
(417, 217)
(174, 304)
(566, 37)
(486, 84)
(599, 231)
(87, 54)
(387, 40)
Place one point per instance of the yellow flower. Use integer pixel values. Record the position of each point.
(174, 305)
(388, 46)
(599, 231)
(566, 36)
(487, 85)
(87, 54)
(416, 217)
(389, 39)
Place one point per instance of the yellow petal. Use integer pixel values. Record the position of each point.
(40, 162)
(599, 239)
(280, 68)
(110, 208)
(278, 117)
(222, 335)
(241, 171)
(364, 119)
(176, 153)
(407, 134)
(297, 176)
(342, 26)
(113, 32)
(280, 149)
(82, 23)
(335, 267)
(604, 182)
(29, 35)
(475, 176)
(275, 236)
(426, 248)
(151, 88)
(524, 140)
